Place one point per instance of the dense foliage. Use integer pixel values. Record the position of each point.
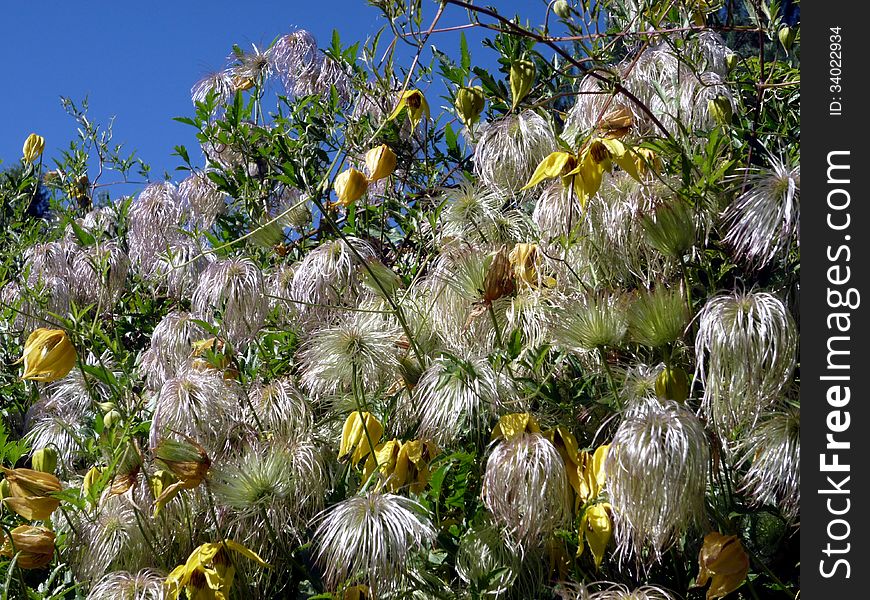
(411, 326)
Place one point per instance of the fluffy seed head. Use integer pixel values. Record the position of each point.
(510, 148)
(656, 477)
(370, 538)
(772, 451)
(746, 348)
(526, 489)
(202, 198)
(763, 221)
(123, 585)
(236, 290)
(155, 217)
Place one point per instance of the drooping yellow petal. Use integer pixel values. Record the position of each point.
(623, 156)
(416, 104)
(34, 546)
(722, 559)
(32, 508)
(354, 441)
(554, 165)
(591, 173)
(512, 425)
(246, 552)
(596, 528)
(386, 457)
(597, 466)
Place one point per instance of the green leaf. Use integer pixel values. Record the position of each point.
(465, 57)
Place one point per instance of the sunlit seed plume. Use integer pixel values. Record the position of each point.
(482, 552)
(528, 313)
(282, 409)
(155, 217)
(171, 347)
(220, 83)
(101, 221)
(254, 65)
(203, 199)
(279, 288)
(746, 351)
(323, 76)
(110, 539)
(557, 211)
(233, 289)
(370, 539)
(526, 489)
(199, 404)
(657, 470)
(284, 484)
(178, 267)
(478, 216)
(639, 381)
(146, 584)
(457, 397)
(329, 276)
(763, 221)
(99, 273)
(359, 350)
(658, 317)
(295, 56)
(510, 148)
(772, 451)
(611, 591)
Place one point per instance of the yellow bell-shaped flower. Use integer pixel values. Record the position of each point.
(33, 147)
(30, 493)
(513, 425)
(469, 104)
(208, 571)
(724, 561)
(34, 545)
(380, 162)
(349, 186)
(48, 355)
(596, 529)
(416, 104)
(358, 435)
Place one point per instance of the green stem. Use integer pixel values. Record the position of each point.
(498, 338)
(609, 374)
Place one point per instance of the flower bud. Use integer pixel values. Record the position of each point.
(111, 418)
(350, 186)
(4, 489)
(45, 459)
(33, 147)
(469, 104)
(720, 109)
(786, 37)
(34, 546)
(357, 436)
(91, 477)
(562, 9)
(672, 384)
(522, 78)
(48, 355)
(380, 162)
(731, 59)
(723, 560)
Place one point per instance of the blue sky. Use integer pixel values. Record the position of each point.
(137, 61)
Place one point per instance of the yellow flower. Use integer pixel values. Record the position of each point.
(513, 425)
(33, 147)
(592, 473)
(48, 355)
(356, 437)
(380, 162)
(723, 560)
(566, 444)
(525, 261)
(44, 459)
(646, 161)
(416, 104)
(208, 573)
(35, 546)
(584, 172)
(30, 493)
(596, 529)
(403, 464)
(350, 186)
